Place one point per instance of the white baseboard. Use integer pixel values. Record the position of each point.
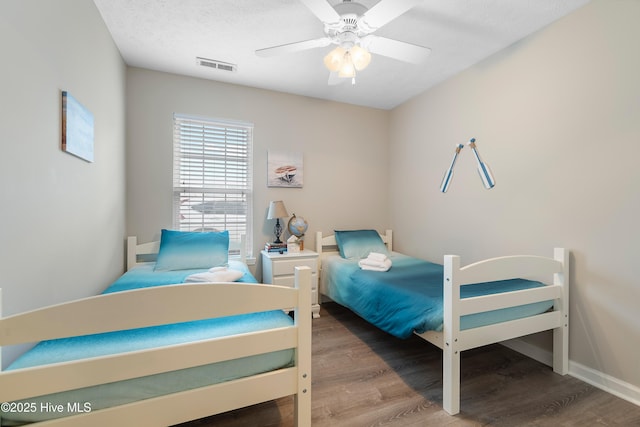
(605, 382)
(614, 386)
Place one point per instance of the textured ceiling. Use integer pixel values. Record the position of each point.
(168, 35)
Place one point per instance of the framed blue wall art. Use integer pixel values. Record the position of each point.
(77, 128)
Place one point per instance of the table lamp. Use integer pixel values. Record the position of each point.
(277, 211)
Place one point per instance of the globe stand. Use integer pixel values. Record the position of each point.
(297, 226)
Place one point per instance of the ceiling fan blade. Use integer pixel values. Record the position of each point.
(386, 11)
(396, 49)
(293, 47)
(323, 10)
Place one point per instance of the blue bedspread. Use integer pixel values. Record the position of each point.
(122, 392)
(409, 297)
(144, 276)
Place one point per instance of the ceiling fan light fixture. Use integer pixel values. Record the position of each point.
(349, 26)
(346, 61)
(347, 68)
(360, 57)
(333, 60)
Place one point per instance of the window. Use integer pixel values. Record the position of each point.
(212, 176)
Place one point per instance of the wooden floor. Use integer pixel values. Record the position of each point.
(364, 377)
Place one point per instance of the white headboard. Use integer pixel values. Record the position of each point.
(143, 252)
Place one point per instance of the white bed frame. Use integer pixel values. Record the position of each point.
(188, 302)
(453, 341)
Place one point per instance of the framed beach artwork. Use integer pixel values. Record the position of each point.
(77, 128)
(284, 169)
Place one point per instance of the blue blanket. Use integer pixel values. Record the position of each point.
(409, 297)
(144, 276)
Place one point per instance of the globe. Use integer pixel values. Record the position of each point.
(297, 226)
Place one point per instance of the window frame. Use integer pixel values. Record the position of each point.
(213, 170)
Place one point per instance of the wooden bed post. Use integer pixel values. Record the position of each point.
(302, 399)
(389, 235)
(243, 248)
(451, 329)
(132, 254)
(561, 334)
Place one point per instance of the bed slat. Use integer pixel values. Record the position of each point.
(508, 267)
(484, 303)
(434, 337)
(23, 383)
(192, 404)
(143, 307)
(476, 337)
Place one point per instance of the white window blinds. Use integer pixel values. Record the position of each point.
(212, 176)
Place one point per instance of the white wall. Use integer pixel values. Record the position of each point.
(557, 117)
(344, 150)
(62, 219)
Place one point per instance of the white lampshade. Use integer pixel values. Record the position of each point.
(360, 57)
(346, 62)
(277, 210)
(347, 69)
(333, 60)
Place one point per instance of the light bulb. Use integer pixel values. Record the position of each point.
(333, 60)
(361, 57)
(347, 69)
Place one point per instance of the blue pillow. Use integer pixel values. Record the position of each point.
(186, 250)
(359, 243)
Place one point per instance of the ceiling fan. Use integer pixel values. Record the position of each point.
(350, 26)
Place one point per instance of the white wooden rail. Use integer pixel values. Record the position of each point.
(148, 307)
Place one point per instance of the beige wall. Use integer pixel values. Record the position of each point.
(344, 151)
(557, 117)
(62, 219)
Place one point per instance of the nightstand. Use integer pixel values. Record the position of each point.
(278, 269)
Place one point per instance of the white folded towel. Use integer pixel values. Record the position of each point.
(369, 264)
(377, 256)
(215, 274)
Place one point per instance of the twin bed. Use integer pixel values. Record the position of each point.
(152, 350)
(455, 308)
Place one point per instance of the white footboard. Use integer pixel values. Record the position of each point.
(198, 301)
(455, 340)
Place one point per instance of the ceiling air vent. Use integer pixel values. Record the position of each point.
(217, 65)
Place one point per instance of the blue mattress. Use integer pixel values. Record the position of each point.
(409, 296)
(112, 394)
